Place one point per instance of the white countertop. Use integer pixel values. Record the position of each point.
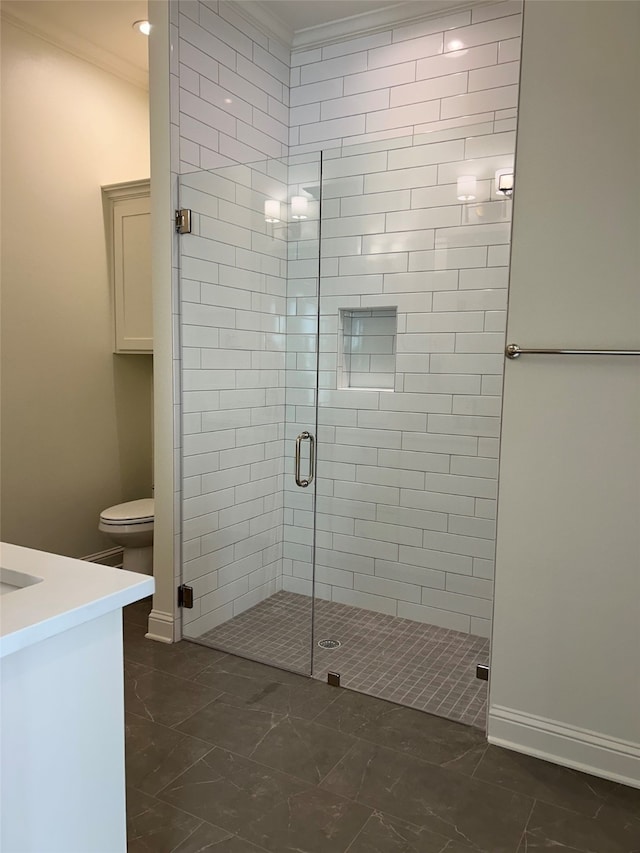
(71, 592)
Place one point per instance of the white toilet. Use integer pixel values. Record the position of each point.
(131, 526)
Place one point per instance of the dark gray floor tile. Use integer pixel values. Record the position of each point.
(542, 780)
(444, 801)
(313, 821)
(232, 724)
(204, 840)
(412, 768)
(384, 834)
(183, 659)
(433, 739)
(138, 612)
(269, 688)
(156, 827)
(301, 748)
(624, 798)
(551, 827)
(229, 790)
(163, 698)
(268, 808)
(155, 755)
(294, 745)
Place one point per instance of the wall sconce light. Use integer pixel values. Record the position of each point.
(466, 188)
(299, 207)
(504, 182)
(272, 210)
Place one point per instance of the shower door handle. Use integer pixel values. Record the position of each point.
(312, 459)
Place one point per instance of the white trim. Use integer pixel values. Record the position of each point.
(127, 189)
(21, 16)
(258, 13)
(569, 746)
(160, 627)
(161, 621)
(367, 23)
(110, 557)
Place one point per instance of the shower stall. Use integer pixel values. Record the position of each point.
(342, 333)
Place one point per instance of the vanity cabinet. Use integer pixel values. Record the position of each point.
(62, 729)
(128, 220)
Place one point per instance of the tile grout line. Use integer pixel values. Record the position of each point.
(523, 836)
(184, 840)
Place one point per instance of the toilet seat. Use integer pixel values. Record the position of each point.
(129, 513)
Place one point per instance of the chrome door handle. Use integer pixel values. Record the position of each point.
(312, 459)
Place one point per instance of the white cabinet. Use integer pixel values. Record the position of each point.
(62, 774)
(128, 218)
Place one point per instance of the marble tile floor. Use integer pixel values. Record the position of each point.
(412, 663)
(232, 756)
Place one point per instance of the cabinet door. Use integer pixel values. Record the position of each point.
(132, 275)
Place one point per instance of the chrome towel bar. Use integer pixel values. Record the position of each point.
(515, 351)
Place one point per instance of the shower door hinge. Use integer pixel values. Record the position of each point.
(482, 672)
(183, 221)
(185, 596)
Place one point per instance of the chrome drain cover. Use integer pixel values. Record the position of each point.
(329, 644)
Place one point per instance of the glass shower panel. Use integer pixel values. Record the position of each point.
(412, 315)
(300, 483)
(235, 362)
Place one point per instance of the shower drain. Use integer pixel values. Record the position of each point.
(329, 644)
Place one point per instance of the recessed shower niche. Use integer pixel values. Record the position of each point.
(367, 354)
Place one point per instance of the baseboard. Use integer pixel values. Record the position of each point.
(160, 627)
(110, 557)
(569, 746)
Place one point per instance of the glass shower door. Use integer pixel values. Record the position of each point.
(412, 312)
(248, 349)
(347, 309)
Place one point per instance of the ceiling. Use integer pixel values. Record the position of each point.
(106, 24)
(301, 14)
(101, 30)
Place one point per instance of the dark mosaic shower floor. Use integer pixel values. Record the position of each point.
(422, 666)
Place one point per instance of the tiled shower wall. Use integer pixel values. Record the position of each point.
(428, 76)
(407, 479)
(407, 476)
(233, 288)
(229, 105)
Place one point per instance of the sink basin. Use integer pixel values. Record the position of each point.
(10, 581)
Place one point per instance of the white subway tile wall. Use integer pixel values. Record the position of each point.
(233, 326)
(406, 477)
(410, 79)
(230, 105)
(406, 495)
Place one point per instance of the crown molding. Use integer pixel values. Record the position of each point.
(257, 12)
(20, 16)
(368, 23)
